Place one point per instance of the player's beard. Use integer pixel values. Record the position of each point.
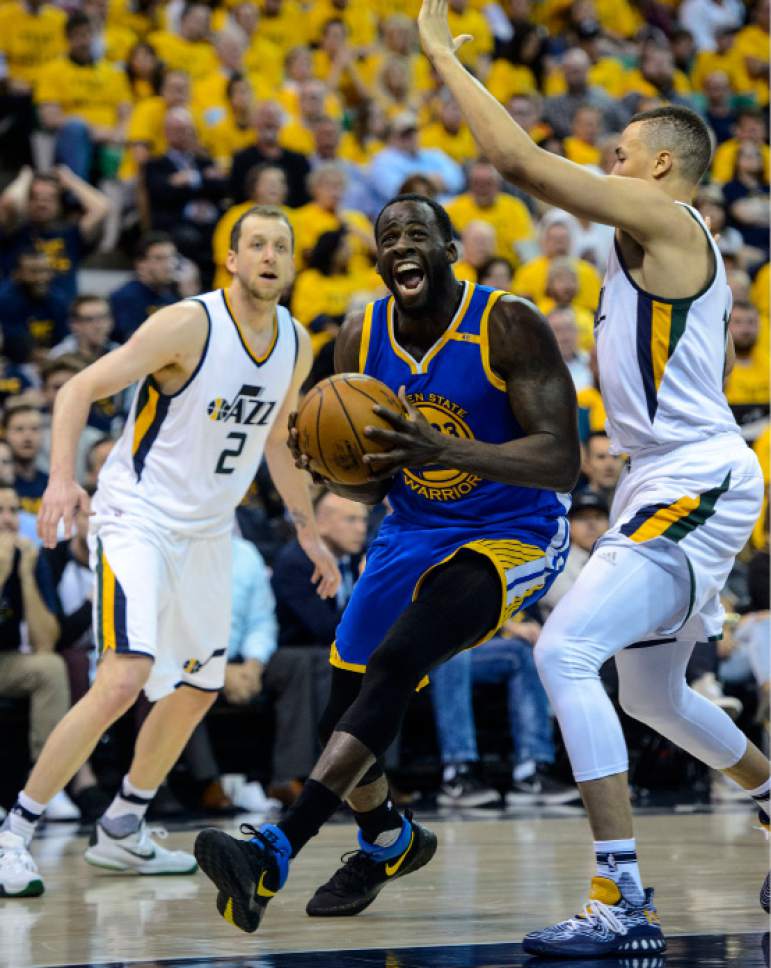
(260, 291)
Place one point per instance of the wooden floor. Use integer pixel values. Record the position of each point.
(492, 880)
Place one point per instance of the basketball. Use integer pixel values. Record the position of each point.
(331, 423)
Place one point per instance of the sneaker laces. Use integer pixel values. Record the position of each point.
(19, 858)
(145, 834)
(601, 915)
(266, 837)
(353, 874)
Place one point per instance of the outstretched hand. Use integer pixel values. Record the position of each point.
(414, 442)
(435, 36)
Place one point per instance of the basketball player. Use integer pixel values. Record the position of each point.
(218, 376)
(685, 505)
(478, 531)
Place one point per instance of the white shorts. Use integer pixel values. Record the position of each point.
(165, 596)
(691, 511)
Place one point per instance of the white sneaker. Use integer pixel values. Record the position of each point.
(62, 808)
(19, 876)
(137, 851)
(251, 797)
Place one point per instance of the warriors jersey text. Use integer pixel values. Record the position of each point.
(185, 460)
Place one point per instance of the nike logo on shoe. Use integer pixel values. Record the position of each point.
(264, 891)
(391, 869)
(139, 854)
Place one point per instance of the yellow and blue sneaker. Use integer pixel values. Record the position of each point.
(365, 872)
(765, 890)
(247, 873)
(616, 920)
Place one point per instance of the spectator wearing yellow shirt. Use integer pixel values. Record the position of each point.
(532, 278)
(323, 292)
(144, 71)
(718, 59)
(262, 58)
(85, 101)
(284, 23)
(657, 76)
(561, 293)
(210, 90)
(581, 145)
(324, 213)
(145, 136)
(464, 19)
(750, 53)
(498, 273)
(398, 37)
(31, 36)
(189, 50)
(750, 126)
(606, 73)
(297, 134)
(477, 247)
(298, 69)
(527, 111)
(485, 201)
(747, 386)
(112, 41)
(367, 135)
(235, 130)
(560, 109)
(450, 132)
(394, 90)
(590, 398)
(265, 185)
(336, 63)
(358, 17)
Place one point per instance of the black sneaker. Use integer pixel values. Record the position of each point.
(765, 890)
(362, 877)
(465, 789)
(542, 788)
(247, 873)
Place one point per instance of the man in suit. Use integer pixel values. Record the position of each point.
(297, 675)
(184, 190)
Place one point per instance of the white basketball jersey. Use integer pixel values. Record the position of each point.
(661, 361)
(185, 460)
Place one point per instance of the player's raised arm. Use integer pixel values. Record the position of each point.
(292, 484)
(154, 347)
(634, 205)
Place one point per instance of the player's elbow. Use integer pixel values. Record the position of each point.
(566, 469)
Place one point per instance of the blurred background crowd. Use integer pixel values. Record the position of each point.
(134, 133)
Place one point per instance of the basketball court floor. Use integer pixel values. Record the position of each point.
(494, 878)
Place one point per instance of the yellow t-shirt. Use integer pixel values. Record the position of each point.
(265, 60)
(709, 61)
(762, 448)
(751, 42)
(120, 14)
(635, 83)
(507, 215)
(471, 22)
(464, 272)
(294, 136)
(584, 321)
(460, 146)
(351, 150)
(92, 92)
(118, 42)
(315, 293)
(357, 17)
(759, 292)
(196, 58)
(618, 17)
(581, 152)
(289, 29)
(589, 399)
(506, 79)
(607, 73)
(748, 382)
(531, 279)
(421, 80)
(311, 221)
(28, 41)
(724, 162)
(222, 140)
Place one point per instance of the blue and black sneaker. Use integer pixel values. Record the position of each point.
(765, 890)
(365, 872)
(247, 873)
(617, 920)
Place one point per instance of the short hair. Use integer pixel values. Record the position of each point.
(262, 211)
(99, 442)
(234, 79)
(86, 297)
(323, 251)
(441, 216)
(148, 240)
(746, 305)
(13, 411)
(76, 20)
(67, 362)
(254, 174)
(684, 132)
(595, 435)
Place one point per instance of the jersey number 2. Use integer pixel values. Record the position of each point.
(240, 440)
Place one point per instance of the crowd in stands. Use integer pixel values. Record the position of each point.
(134, 133)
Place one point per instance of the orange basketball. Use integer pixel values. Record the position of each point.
(331, 423)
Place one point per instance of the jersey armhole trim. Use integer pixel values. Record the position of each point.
(484, 344)
(366, 334)
(681, 300)
(295, 324)
(199, 364)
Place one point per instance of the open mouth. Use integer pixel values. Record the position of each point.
(409, 278)
(268, 276)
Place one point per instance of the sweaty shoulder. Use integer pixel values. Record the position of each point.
(519, 332)
(348, 343)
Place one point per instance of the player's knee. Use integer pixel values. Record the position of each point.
(560, 658)
(120, 680)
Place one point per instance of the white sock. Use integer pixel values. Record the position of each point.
(762, 796)
(129, 800)
(23, 817)
(616, 858)
(522, 771)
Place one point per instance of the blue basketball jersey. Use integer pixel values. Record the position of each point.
(456, 390)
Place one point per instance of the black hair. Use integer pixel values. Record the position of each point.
(75, 20)
(234, 79)
(323, 252)
(148, 240)
(682, 130)
(494, 261)
(156, 78)
(441, 216)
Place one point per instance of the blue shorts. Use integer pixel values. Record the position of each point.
(402, 555)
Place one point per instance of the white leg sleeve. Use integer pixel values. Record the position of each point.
(653, 689)
(619, 598)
